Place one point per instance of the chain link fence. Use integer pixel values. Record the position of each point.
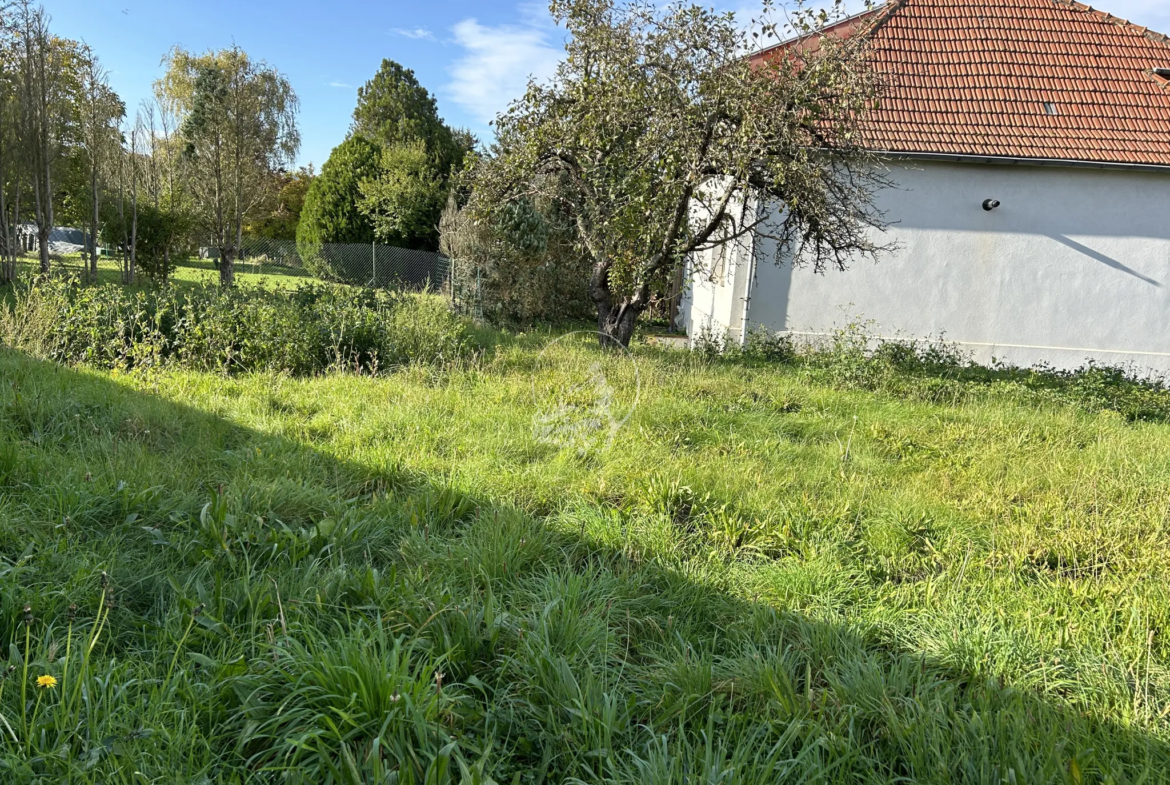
(271, 261)
(373, 265)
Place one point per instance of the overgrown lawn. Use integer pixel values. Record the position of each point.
(836, 571)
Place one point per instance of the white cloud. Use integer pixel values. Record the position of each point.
(498, 61)
(418, 33)
(341, 84)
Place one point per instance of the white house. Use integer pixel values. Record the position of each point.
(62, 239)
(1058, 112)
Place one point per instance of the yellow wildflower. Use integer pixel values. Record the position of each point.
(46, 681)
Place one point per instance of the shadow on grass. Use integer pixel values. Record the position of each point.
(568, 649)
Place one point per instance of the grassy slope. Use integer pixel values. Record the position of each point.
(764, 576)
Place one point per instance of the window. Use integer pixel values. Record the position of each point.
(1050, 108)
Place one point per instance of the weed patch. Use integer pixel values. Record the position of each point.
(308, 330)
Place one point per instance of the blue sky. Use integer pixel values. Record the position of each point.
(473, 56)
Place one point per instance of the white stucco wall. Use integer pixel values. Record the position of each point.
(1074, 264)
(714, 301)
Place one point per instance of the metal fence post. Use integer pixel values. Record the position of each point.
(478, 295)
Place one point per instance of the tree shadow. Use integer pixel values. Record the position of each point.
(593, 622)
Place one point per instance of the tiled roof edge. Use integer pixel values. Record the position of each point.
(883, 15)
(1105, 16)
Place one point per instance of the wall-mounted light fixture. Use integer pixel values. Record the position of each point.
(990, 204)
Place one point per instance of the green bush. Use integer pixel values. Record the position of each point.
(331, 213)
(310, 330)
(523, 267)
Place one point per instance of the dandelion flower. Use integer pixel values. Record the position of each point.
(46, 681)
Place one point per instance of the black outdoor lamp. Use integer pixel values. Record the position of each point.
(990, 204)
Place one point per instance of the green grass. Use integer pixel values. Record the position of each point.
(186, 271)
(771, 575)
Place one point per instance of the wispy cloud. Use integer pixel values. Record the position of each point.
(418, 33)
(498, 61)
(341, 84)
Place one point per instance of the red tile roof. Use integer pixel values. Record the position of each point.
(1046, 79)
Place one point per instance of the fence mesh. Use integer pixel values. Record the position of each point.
(277, 262)
(380, 266)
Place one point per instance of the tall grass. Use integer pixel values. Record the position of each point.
(778, 572)
(308, 330)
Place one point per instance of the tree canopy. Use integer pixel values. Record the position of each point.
(665, 141)
(393, 109)
(238, 126)
(200, 164)
(44, 80)
(389, 180)
(286, 201)
(405, 200)
(331, 212)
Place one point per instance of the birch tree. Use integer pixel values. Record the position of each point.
(49, 84)
(134, 156)
(9, 146)
(238, 127)
(100, 113)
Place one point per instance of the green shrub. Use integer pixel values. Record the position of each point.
(523, 267)
(310, 330)
(331, 213)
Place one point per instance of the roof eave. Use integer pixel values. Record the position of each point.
(1016, 161)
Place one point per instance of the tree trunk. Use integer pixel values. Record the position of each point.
(43, 232)
(93, 234)
(49, 218)
(14, 239)
(7, 267)
(676, 289)
(616, 317)
(133, 226)
(43, 228)
(227, 266)
(122, 214)
(615, 323)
